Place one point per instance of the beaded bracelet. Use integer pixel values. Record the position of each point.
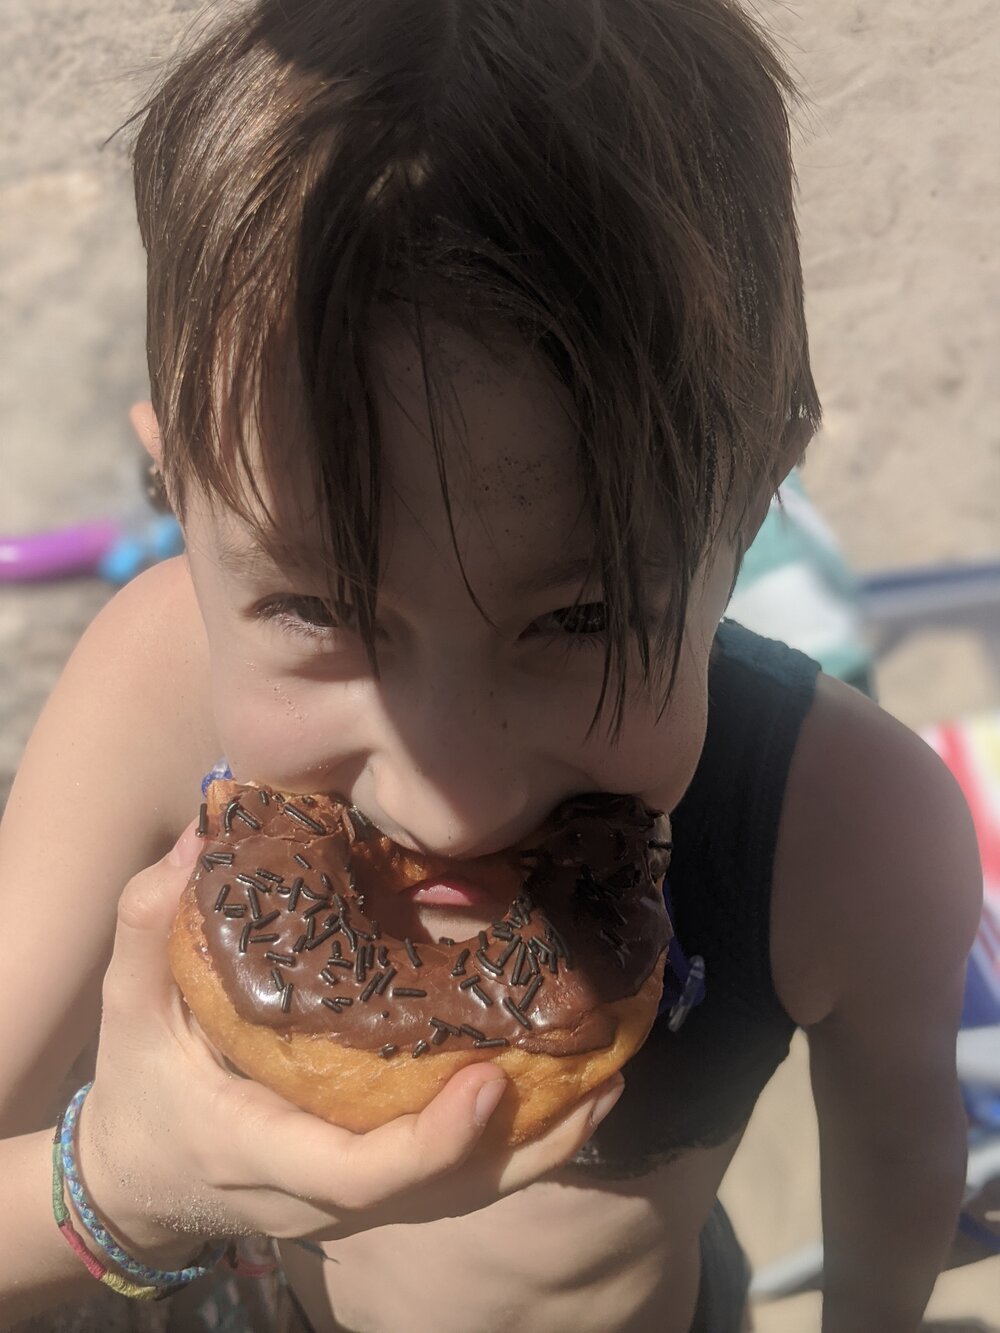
(152, 1277)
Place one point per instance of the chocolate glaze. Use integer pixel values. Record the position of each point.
(285, 928)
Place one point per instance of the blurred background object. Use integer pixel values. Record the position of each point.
(900, 193)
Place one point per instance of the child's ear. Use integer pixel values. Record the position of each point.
(145, 425)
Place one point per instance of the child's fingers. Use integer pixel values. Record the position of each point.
(415, 1149)
(562, 1141)
(355, 1172)
(146, 910)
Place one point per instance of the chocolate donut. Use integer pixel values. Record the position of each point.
(281, 958)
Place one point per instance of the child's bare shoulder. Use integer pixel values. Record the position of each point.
(877, 868)
(107, 781)
(131, 710)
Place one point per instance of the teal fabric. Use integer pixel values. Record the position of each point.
(796, 586)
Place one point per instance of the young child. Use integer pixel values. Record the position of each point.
(477, 353)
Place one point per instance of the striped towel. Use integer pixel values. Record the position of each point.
(971, 749)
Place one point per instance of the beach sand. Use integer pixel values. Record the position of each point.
(896, 149)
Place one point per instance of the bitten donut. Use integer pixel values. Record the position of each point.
(285, 966)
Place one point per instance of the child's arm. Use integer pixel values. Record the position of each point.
(85, 813)
(899, 903)
(173, 1148)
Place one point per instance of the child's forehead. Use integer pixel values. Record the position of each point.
(504, 426)
(487, 427)
(479, 450)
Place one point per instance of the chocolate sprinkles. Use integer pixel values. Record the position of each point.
(512, 1009)
(370, 989)
(285, 959)
(591, 886)
(322, 937)
(520, 964)
(293, 893)
(384, 980)
(245, 817)
(212, 859)
(411, 953)
(312, 824)
(487, 966)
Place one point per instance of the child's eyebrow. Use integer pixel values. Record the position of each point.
(574, 569)
(251, 561)
(243, 560)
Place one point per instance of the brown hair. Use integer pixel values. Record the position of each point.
(611, 179)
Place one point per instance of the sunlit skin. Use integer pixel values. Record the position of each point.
(474, 729)
(477, 724)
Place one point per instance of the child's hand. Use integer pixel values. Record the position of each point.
(174, 1148)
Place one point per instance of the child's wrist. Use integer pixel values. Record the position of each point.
(144, 1238)
(168, 1251)
(141, 1236)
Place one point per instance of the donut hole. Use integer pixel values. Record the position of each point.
(386, 874)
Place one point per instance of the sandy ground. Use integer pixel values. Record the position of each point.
(899, 204)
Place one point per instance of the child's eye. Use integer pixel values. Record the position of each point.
(588, 620)
(306, 615)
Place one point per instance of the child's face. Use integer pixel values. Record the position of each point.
(473, 731)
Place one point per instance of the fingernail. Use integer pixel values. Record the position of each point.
(488, 1099)
(185, 850)
(606, 1102)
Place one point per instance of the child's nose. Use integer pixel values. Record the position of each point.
(453, 774)
(458, 821)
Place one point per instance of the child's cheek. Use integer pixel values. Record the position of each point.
(278, 730)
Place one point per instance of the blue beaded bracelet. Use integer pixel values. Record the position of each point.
(98, 1234)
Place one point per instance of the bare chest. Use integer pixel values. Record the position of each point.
(598, 1257)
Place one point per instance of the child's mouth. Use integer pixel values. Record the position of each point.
(430, 896)
(446, 891)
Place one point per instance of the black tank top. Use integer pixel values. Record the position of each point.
(697, 1086)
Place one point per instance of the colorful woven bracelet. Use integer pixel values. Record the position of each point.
(73, 1239)
(65, 1138)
